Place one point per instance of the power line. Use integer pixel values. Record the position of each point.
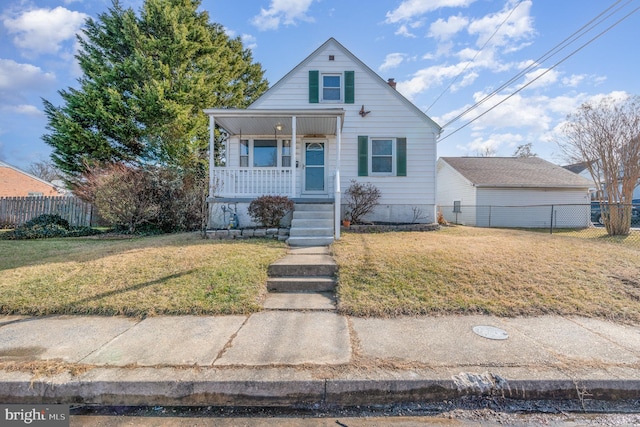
(474, 57)
(550, 53)
(542, 74)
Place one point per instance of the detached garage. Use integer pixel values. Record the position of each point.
(511, 192)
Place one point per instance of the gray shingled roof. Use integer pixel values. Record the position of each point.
(515, 172)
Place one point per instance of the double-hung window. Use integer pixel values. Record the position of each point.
(382, 155)
(244, 153)
(331, 87)
(286, 153)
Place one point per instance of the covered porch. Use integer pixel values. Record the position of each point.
(293, 153)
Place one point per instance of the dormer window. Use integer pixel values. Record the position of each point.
(331, 87)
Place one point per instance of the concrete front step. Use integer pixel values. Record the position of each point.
(313, 215)
(309, 241)
(301, 284)
(311, 232)
(303, 266)
(317, 207)
(311, 223)
(307, 301)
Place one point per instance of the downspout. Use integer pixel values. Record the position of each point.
(337, 201)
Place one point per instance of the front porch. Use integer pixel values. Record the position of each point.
(277, 152)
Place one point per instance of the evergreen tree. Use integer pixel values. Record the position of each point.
(146, 80)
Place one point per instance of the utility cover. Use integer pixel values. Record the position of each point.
(491, 332)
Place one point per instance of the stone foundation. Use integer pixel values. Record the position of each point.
(380, 228)
(281, 234)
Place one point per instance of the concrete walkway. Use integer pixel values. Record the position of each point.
(294, 353)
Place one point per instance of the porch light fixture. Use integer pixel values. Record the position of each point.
(279, 127)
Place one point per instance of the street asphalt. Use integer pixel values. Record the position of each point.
(299, 351)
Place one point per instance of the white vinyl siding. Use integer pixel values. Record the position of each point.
(390, 115)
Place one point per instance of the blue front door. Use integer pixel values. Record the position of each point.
(314, 177)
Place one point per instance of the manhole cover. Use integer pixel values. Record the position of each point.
(491, 332)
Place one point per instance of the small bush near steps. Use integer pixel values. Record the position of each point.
(269, 210)
(361, 200)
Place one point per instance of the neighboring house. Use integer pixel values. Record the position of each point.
(582, 170)
(511, 192)
(18, 183)
(328, 121)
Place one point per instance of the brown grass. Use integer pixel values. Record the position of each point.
(170, 274)
(472, 270)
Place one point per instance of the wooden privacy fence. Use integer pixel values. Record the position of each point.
(15, 211)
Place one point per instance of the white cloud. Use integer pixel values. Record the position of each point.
(403, 30)
(491, 143)
(16, 77)
(249, 41)
(514, 25)
(534, 118)
(540, 78)
(411, 9)
(26, 109)
(429, 77)
(44, 30)
(392, 61)
(444, 30)
(282, 12)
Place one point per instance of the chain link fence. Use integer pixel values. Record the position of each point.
(568, 219)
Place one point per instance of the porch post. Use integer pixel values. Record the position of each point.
(294, 170)
(212, 156)
(337, 199)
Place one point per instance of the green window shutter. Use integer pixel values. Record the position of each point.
(401, 160)
(363, 155)
(349, 87)
(314, 86)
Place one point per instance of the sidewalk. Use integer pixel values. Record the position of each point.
(284, 358)
(299, 351)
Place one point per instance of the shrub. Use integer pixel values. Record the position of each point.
(269, 210)
(47, 219)
(157, 198)
(47, 226)
(361, 200)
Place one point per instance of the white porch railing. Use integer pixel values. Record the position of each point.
(238, 182)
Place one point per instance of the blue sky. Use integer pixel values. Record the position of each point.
(445, 55)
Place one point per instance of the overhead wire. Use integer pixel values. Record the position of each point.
(541, 75)
(539, 61)
(474, 57)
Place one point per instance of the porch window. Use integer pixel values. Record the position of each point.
(286, 153)
(244, 153)
(331, 87)
(265, 153)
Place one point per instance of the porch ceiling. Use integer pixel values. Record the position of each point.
(263, 122)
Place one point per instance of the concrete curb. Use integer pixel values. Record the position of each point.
(295, 387)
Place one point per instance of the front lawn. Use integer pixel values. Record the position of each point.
(488, 271)
(169, 274)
